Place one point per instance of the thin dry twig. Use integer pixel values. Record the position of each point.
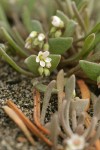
(85, 92)
(36, 112)
(11, 113)
(28, 123)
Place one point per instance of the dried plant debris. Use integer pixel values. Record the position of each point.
(71, 124)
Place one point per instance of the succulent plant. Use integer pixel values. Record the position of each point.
(59, 35)
(68, 33)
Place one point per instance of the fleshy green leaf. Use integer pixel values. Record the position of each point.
(9, 39)
(12, 63)
(36, 26)
(70, 28)
(33, 65)
(55, 61)
(96, 28)
(27, 19)
(92, 70)
(60, 45)
(88, 43)
(62, 16)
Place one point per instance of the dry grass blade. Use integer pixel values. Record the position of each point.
(54, 128)
(28, 123)
(85, 92)
(97, 108)
(46, 99)
(69, 88)
(66, 128)
(19, 122)
(60, 88)
(36, 112)
(74, 120)
(97, 144)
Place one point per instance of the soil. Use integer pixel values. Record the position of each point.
(18, 88)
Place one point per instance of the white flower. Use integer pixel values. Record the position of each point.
(76, 142)
(56, 21)
(41, 37)
(33, 34)
(43, 59)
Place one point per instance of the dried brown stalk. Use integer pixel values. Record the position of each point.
(11, 113)
(36, 112)
(85, 92)
(28, 123)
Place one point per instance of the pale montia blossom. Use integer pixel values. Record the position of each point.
(41, 37)
(56, 21)
(43, 59)
(76, 142)
(33, 34)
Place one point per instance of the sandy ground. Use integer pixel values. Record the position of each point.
(18, 88)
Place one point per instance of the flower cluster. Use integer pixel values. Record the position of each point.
(76, 142)
(57, 26)
(45, 63)
(36, 39)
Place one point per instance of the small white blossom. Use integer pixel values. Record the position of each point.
(76, 142)
(33, 34)
(43, 59)
(41, 37)
(56, 21)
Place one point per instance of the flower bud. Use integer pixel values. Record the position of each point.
(40, 70)
(46, 47)
(35, 42)
(58, 33)
(33, 34)
(41, 37)
(46, 72)
(53, 29)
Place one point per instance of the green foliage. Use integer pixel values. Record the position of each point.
(75, 37)
(92, 70)
(60, 45)
(36, 26)
(33, 65)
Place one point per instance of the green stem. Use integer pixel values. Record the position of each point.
(12, 43)
(27, 19)
(13, 64)
(18, 38)
(69, 7)
(79, 18)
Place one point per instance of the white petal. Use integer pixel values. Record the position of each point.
(28, 45)
(45, 54)
(41, 37)
(56, 21)
(48, 65)
(37, 59)
(48, 59)
(40, 53)
(33, 34)
(42, 63)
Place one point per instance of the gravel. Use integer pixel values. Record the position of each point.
(18, 88)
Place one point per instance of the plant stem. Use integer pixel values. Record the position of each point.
(13, 44)
(79, 18)
(13, 64)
